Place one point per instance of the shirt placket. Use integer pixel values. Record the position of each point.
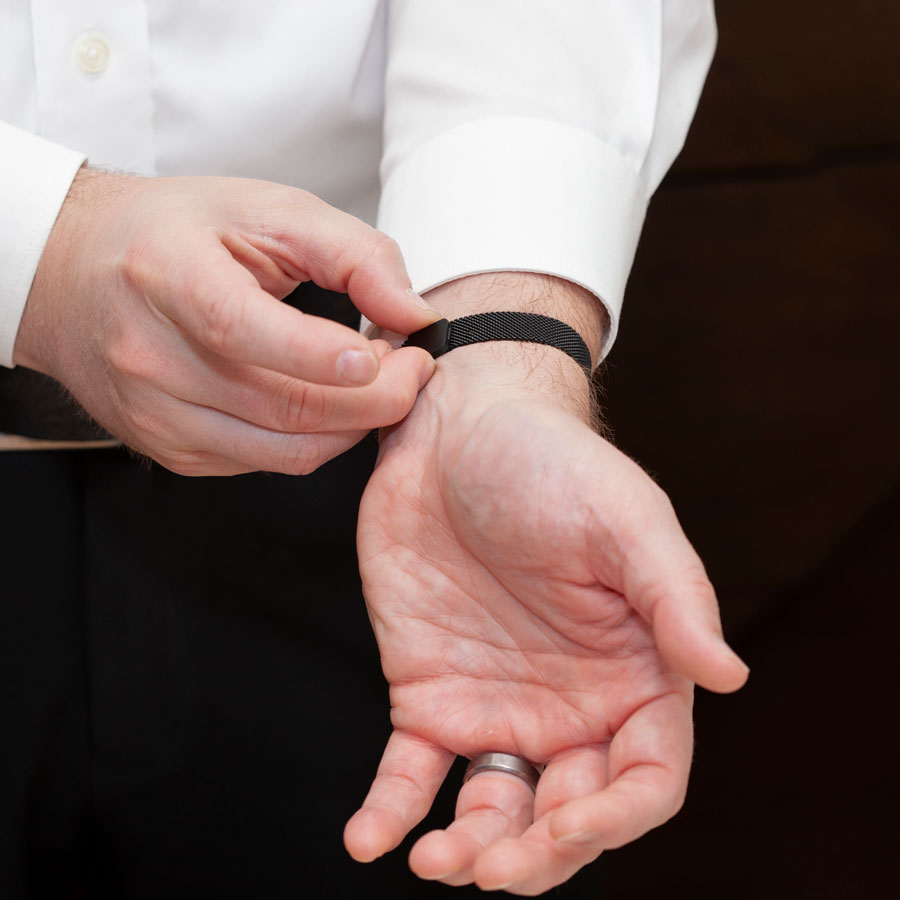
(92, 64)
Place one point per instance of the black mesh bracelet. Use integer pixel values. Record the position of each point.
(444, 336)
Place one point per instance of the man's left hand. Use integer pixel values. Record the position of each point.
(532, 593)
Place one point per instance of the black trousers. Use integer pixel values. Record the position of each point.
(190, 694)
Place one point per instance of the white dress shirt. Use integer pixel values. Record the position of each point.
(498, 134)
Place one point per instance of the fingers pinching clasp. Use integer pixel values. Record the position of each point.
(504, 762)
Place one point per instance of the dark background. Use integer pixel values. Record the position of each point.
(757, 377)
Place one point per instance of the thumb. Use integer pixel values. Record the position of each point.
(688, 632)
(665, 581)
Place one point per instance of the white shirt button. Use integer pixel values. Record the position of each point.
(92, 53)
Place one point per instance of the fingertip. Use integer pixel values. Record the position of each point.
(357, 840)
(430, 858)
(393, 308)
(357, 366)
(429, 367)
(413, 362)
(705, 659)
(731, 674)
(364, 836)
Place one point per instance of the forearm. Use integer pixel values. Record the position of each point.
(534, 147)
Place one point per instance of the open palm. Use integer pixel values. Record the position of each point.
(522, 578)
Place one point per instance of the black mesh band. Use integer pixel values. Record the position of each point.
(443, 336)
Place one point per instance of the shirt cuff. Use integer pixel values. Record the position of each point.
(35, 178)
(517, 194)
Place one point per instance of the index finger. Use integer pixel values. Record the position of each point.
(337, 250)
(223, 308)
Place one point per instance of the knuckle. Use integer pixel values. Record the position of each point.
(295, 404)
(303, 463)
(364, 252)
(676, 802)
(653, 597)
(373, 248)
(311, 410)
(381, 249)
(307, 467)
(383, 245)
(222, 322)
(138, 266)
(288, 404)
(190, 463)
(298, 406)
(146, 426)
(304, 454)
(125, 356)
(302, 197)
(128, 352)
(141, 420)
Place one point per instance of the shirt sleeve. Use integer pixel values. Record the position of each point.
(530, 136)
(35, 176)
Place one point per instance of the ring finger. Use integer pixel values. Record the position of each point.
(197, 440)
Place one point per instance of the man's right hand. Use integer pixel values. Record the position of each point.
(157, 303)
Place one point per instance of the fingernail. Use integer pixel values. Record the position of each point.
(427, 372)
(395, 339)
(577, 837)
(419, 300)
(357, 366)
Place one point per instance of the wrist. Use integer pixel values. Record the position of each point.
(478, 376)
(36, 346)
(525, 292)
(500, 370)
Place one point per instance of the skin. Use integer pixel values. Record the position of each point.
(531, 592)
(156, 304)
(529, 586)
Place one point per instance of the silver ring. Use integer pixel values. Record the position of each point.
(504, 762)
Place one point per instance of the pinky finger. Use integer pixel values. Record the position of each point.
(215, 443)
